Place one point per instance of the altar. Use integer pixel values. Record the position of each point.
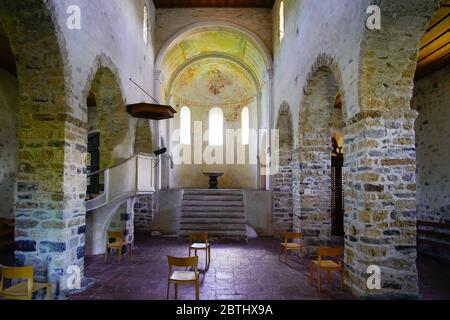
(213, 178)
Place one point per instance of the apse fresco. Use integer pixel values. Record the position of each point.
(213, 82)
(227, 42)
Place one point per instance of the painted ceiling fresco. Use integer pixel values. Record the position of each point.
(219, 40)
(213, 82)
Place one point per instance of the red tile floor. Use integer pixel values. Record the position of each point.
(238, 271)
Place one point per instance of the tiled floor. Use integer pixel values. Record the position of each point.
(237, 271)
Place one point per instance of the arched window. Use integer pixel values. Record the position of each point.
(245, 125)
(145, 26)
(185, 126)
(281, 20)
(215, 127)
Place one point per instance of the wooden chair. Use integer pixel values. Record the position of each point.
(291, 246)
(328, 265)
(199, 241)
(22, 290)
(183, 277)
(118, 243)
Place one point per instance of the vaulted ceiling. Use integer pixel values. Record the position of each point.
(214, 65)
(214, 3)
(435, 44)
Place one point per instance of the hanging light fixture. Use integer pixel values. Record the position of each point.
(151, 111)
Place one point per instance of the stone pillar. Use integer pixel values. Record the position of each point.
(380, 207)
(51, 181)
(282, 195)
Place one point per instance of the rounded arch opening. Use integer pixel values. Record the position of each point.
(321, 178)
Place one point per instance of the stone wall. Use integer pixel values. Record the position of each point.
(56, 66)
(432, 100)
(374, 71)
(282, 182)
(143, 214)
(9, 94)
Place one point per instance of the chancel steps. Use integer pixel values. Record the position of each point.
(219, 212)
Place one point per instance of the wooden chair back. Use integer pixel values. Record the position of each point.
(117, 235)
(337, 253)
(18, 273)
(198, 236)
(182, 262)
(292, 236)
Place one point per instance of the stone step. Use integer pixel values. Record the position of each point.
(213, 220)
(212, 197)
(212, 209)
(216, 233)
(208, 214)
(214, 203)
(213, 226)
(218, 192)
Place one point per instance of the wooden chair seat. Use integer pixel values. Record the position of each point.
(183, 276)
(291, 245)
(200, 246)
(327, 264)
(116, 244)
(19, 291)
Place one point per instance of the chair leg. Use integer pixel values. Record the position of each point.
(209, 256)
(176, 291)
(311, 273)
(189, 252)
(120, 255)
(168, 289)
(328, 277)
(49, 292)
(319, 278)
(206, 259)
(197, 289)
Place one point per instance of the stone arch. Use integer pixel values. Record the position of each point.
(382, 162)
(312, 185)
(282, 181)
(113, 122)
(49, 227)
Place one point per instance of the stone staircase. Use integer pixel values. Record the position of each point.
(219, 212)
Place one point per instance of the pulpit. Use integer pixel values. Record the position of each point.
(213, 178)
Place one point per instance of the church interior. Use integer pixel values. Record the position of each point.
(224, 150)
